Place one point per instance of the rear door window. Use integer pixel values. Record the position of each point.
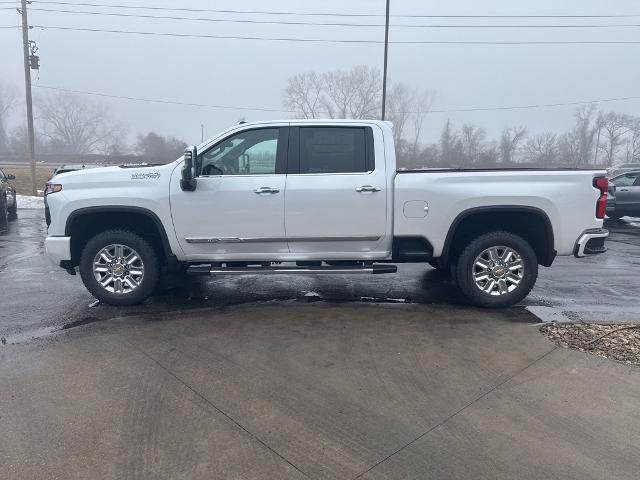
(334, 150)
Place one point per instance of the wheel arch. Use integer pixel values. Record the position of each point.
(531, 223)
(84, 223)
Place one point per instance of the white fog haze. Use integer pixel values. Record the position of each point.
(254, 73)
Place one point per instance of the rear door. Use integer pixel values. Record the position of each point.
(628, 193)
(336, 195)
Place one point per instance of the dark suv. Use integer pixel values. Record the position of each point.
(8, 202)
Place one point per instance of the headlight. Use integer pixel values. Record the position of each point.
(52, 188)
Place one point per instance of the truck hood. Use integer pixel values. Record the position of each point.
(120, 173)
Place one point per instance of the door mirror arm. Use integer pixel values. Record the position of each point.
(188, 181)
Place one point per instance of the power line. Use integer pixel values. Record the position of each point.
(264, 12)
(169, 102)
(207, 10)
(221, 20)
(332, 24)
(259, 109)
(541, 105)
(333, 40)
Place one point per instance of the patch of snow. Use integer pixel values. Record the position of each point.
(26, 201)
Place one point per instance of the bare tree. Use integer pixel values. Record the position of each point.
(8, 100)
(583, 134)
(421, 107)
(353, 94)
(472, 137)
(542, 148)
(448, 139)
(357, 94)
(634, 140)
(303, 94)
(399, 100)
(509, 142)
(158, 148)
(614, 127)
(75, 125)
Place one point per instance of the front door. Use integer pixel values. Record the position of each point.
(237, 209)
(336, 202)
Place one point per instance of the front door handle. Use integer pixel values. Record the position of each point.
(262, 190)
(367, 188)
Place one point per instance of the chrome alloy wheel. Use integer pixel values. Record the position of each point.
(118, 268)
(498, 270)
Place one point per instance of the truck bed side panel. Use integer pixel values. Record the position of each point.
(568, 198)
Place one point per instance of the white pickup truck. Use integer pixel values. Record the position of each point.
(298, 197)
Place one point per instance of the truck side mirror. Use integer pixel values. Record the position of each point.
(188, 182)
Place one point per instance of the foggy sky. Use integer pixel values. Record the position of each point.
(254, 73)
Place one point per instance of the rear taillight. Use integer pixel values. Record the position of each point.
(602, 184)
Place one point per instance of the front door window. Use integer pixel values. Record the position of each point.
(253, 152)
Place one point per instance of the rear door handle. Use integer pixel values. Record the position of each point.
(623, 189)
(262, 190)
(367, 188)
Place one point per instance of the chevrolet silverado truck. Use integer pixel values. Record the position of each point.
(317, 197)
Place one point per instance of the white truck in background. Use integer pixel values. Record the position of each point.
(319, 196)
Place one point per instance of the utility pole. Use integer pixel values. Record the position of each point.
(386, 54)
(27, 85)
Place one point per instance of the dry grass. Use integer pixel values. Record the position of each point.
(23, 177)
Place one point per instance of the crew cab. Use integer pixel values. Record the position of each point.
(312, 197)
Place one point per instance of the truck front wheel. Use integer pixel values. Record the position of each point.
(497, 269)
(119, 267)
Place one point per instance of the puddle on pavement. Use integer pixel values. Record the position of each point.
(27, 336)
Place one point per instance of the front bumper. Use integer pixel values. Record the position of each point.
(58, 249)
(591, 242)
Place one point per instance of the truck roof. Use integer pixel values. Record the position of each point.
(321, 121)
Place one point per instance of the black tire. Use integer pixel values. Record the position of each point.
(4, 214)
(13, 211)
(151, 267)
(436, 265)
(465, 269)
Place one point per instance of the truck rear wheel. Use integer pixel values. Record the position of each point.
(119, 267)
(497, 269)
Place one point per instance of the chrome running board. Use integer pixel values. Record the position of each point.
(291, 270)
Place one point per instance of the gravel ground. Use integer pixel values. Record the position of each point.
(620, 342)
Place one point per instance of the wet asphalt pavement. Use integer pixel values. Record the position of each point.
(393, 376)
(37, 296)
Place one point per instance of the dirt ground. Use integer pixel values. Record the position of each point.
(620, 342)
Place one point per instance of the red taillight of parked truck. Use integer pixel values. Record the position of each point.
(602, 184)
